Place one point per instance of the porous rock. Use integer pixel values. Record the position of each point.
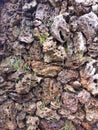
(44, 112)
(60, 29)
(45, 70)
(26, 36)
(29, 6)
(88, 24)
(79, 43)
(52, 52)
(66, 76)
(48, 125)
(88, 77)
(91, 109)
(51, 89)
(32, 122)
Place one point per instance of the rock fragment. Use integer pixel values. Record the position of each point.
(42, 69)
(48, 125)
(95, 8)
(88, 22)
(52, 52)
(26, 36)
(20, 119)
(29, 107)
(91, 109)
(32, 122)
(44, 112)
(41, 11)
(92, 48)
(55, 3)
(60, 29)
(71, 105)
(29, 6)
(79, 43)
(24, 86)
(66, 76)
(88, 78)
(86, 2)
(51, 89)
(84, 96)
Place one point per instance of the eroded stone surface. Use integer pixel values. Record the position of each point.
(66, 76)
(60, 29)
(88, 77)
(91, 109)
(51, 89)
(45, 84)
(87, 23)
(48, 125)
(44, 112)
(26, 36)
(45, 70)
(32, 122)
(29, 6)
(52, 52)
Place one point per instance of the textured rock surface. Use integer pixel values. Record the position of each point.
(52, 52)
(88, 24)
(29, 6)
(60, 29)
(32, 123)
(67, 75)
(45, 70)
(48, 64)
(89, 78)
(48, 125)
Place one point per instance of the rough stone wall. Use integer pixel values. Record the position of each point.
(49, 65)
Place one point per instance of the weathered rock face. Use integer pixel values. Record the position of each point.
(88, 24)
(91, 110)
(88, 78)
(66, 76)
(44, 112)
(48, 91)
(79, 43)
(68, 107)
(29, 6)
(26, 84)
(32, 123)
(35, 51)
(86, 2)
(8, 112)
(52, 52)
(48, 125)
(26, 36)
(41, 11)
(51, 89)
(45, 70)
(60, 29)
(20, 119)
(48, 65)
(92, 49)
(84, 96)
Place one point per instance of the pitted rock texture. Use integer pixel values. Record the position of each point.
(48, 64)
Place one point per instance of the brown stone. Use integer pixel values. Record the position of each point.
(42, 69)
